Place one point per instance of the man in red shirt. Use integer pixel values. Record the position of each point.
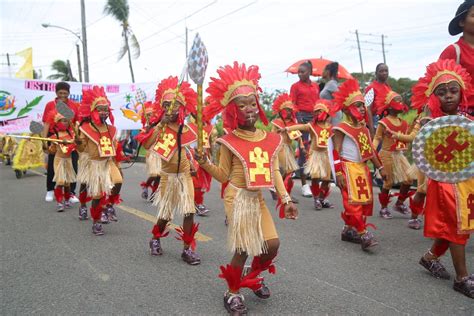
(304, 95)
(463, 50)
(378, 86)
(62, 94)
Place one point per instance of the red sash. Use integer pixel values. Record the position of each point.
(166, 146)
(322, 134)
(403, 128)
(281, 125)
(256, 157)
(360, 136)
(206, 133)
(103, 140)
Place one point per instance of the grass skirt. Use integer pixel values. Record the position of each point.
(98, 177)
(153, 163)
(175, 194)
(63, 171)
(318, 165)
(83, 165)
(245, 232)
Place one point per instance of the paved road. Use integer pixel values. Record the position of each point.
(52, 264)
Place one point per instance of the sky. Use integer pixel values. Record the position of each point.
(267, 33)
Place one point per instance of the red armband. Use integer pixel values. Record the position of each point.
(337, 161)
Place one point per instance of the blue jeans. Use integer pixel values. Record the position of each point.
(303, 117)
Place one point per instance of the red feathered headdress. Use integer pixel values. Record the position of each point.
(234, 81)
(149, 112)
(84, 112)
(385, 100)
(169, 89)
(283, 101)
(347, 95)
(326, 107)
(93, 98)
(440, 72)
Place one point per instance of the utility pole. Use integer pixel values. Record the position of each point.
(186, 47)
(360, 58)
(84, 41)
(79, 62)
(69, 71)
(8, 60)
(383, 49)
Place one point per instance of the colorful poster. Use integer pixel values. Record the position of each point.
(22, 101)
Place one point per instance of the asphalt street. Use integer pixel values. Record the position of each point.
(52, 264)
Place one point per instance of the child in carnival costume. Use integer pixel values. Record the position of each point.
(83, 163)
(202, 179)
(153, 160)
(168, 139)
(416, 199)
(249, 162)
(445, 89)
(352, 149)
(284, 109)
(97, 139)
(64, 173)
(389, 104)
(318, 165)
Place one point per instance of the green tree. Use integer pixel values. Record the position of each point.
(63, 72)
(120, 10)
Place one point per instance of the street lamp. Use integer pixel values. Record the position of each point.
(84, 51)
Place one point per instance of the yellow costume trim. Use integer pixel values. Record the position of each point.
(353, 97)
(228, 95)
(456, 78)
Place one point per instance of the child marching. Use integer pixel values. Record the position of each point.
(352, 150)
(168, 139)
(445, 89)
(249, 162)
(64, 173)
(97, 139)
(396, 166)
(152, 159)
(284, 109)
(318, 165)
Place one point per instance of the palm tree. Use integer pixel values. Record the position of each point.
(120, 10)
(63, 71)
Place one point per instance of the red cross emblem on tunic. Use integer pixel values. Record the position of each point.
(361, 184)
(470, 206)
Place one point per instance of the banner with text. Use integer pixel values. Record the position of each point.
(22, 101)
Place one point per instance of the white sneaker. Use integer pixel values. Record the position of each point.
(73, 199)
(306, 191)
(49, 196)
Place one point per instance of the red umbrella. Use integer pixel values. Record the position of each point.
(318, 68)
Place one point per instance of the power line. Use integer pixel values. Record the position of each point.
(160, 31)
(225, 15)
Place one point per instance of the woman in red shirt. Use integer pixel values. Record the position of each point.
(463, 50)
(304, 95)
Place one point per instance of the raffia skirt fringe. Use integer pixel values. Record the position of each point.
(83, 166)
(288, 162)
(98, 177)
(153, 164)
(318, 165)
(175, 194)
(63, 171)
(245, 232)
(401, 168)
